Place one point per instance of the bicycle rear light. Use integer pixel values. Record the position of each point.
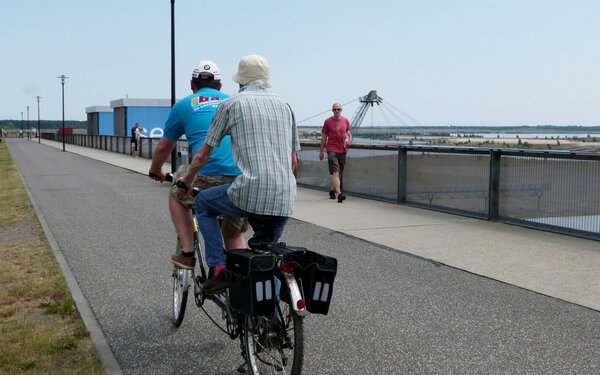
(287, 267)
(300, 304)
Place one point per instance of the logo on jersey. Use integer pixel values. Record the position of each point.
(203, 101)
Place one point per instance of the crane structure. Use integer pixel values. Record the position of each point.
(369, 101)
(366, 101)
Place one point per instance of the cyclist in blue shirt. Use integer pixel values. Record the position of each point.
(192, 116)
(265, 147)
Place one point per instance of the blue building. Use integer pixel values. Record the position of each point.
(100, 120)
(150, 114)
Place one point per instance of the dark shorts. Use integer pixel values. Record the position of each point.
(229, 225)
(336, 162)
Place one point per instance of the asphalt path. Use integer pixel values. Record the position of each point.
(392, 313)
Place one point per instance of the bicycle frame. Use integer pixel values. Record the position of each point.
(221, 300)
(272, 343)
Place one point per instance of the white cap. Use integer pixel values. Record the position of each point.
(207, 66)
(252, 67)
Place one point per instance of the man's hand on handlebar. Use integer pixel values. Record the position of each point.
(184, 183)
(157, 175)
(182, 186)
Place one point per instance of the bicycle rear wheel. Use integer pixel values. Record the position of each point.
(275, 344)
(181, 282)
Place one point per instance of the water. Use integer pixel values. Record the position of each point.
(405, 142)
(528, 135)
(312, 154)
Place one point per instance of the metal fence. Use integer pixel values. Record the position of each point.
(549, 190)
(119, 144)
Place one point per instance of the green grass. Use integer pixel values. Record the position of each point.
(40, 327)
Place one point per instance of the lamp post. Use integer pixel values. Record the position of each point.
(28, 127)
(39, 133)
(174, 151)
(62, 82)
(21, 124)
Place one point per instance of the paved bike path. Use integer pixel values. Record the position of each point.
(392, 312)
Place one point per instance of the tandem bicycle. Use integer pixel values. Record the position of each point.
(272, 287)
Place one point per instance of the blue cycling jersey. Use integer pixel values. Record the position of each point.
(192, 116)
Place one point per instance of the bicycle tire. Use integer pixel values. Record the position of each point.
(180, 291)
(180, 294)
(274, 352)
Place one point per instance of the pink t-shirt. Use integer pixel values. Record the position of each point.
(335, 130)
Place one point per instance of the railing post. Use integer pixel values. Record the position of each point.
(494, 185)
(402, 158)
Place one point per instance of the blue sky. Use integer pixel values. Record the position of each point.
(478, 62)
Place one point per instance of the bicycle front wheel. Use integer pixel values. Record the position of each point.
(181, 281)
(275, 344)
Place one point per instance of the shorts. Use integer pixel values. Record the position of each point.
(336, 162)
(229, 225)
(134, 145)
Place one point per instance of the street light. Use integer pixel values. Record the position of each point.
(21, 124)
(39, 133)
(28, 127)
(174, 151)
(62, 82)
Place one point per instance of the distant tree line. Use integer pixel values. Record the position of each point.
(44, 124)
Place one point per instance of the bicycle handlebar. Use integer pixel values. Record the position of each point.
(169, 178)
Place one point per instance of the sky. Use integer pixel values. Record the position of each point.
(433, 62)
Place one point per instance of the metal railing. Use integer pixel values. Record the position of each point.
(549, 190)
(119, 144)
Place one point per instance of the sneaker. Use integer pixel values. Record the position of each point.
(215, 283)
(341, 198)
(184, 262)
(331, 194)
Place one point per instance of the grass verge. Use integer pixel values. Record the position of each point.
(40, 328)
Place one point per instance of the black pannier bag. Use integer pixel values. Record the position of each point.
(317, 274)
(251, 281)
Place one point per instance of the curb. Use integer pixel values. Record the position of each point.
(107, 357)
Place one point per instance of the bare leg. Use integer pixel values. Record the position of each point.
(235, 242)
(182, 219)
(336, 182)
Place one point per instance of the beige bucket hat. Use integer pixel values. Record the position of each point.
(252, 67)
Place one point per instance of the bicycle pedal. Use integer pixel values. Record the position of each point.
(215, 292)
(207, 293)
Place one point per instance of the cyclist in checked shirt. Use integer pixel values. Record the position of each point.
(265, 147)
